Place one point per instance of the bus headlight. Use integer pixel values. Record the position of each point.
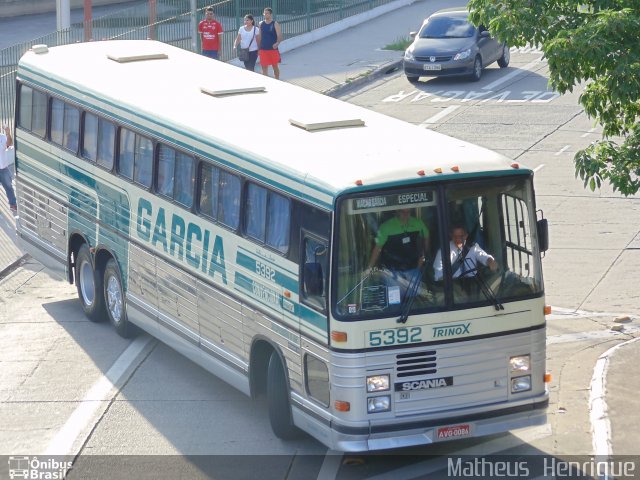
(379, 404)
(378, 383)
(521, 384)
(520, 364)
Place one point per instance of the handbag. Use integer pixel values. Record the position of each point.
(243, 53)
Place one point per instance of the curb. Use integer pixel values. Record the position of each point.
(13, 266)
(365, 78)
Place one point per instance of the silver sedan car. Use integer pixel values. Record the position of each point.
(448, 44)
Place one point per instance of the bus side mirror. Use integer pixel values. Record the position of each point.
(313, 280)
(543, 234)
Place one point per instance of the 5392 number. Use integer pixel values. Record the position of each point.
(395, 336)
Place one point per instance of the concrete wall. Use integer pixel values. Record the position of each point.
(12, 8)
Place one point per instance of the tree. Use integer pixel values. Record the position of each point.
(590, 42)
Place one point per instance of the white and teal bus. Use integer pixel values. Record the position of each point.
(234, 217)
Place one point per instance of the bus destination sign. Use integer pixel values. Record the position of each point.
(392, 202)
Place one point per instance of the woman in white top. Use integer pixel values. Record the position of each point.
(247, 39)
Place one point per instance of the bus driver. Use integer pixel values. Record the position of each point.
(464, 260)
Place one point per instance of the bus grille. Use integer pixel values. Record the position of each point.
(418, 363)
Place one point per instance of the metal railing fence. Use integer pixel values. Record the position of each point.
(174, 22)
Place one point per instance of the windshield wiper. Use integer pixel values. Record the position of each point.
(485, 289)
(412, 293)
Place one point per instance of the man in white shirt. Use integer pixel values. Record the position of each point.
(468, 265)
(5, 173)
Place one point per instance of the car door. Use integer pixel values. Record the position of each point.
(488, 46)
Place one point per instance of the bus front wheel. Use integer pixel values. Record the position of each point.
(114, 300)
(278, 400)
(89, 285)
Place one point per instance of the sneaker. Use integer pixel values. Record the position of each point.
(14, 208)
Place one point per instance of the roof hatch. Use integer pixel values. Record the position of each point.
(229, 90)
(315, 123)
(137, 57)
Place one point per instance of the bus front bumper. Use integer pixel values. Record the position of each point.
(420, 431)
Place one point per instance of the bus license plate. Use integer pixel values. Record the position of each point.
(454, 431)
(428, 66)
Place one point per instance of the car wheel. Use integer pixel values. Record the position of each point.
(477, 69)
(412, 79)
(114, 301)
(278, 400)
(89, 285)
(503, 61)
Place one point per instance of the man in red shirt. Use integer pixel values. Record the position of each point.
(210, 30)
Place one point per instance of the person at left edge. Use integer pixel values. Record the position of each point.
(5, 172)
(210, 30)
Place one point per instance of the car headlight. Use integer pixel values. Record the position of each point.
(520, 364)
(463, 54)
(379, 404)
(378, 383)
(408, 55)
(521, 384)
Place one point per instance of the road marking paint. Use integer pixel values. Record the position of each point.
(539, 167)
(438, 116)
(588, 133)
(496, 445)
(590, 335)
(330, 465)
(562, 150)
(513, 74)
(600, 425)
(98, 395)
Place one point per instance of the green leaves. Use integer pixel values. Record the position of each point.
(590, 42)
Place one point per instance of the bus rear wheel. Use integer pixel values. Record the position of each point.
(278, 400)
(89, 285)
(114, 300)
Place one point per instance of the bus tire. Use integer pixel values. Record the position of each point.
(89, 285)
(278, 400)
(114, 301)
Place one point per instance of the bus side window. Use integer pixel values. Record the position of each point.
(106, 139)
(314, 271)
(143, 161)
(184, 179)
(90, 137)
(32, 110)
(278, 222)
(125, 159)
(166, 167)
(268, 217)
(64, 124)
(229, 201)
(255, 212)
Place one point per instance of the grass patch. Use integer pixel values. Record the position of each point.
(400, 44)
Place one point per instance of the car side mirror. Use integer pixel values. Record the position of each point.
(485, 34)
(412, 35)
(543, 234)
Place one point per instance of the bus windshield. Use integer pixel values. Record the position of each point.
(430, 248)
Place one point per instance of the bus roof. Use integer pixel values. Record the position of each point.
(251, 121)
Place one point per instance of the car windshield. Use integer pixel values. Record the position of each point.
(426, 249)
(447, 27)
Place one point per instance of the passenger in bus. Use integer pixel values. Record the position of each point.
(401, 245)
(464, 256)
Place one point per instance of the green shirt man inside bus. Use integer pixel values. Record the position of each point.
(401, 245)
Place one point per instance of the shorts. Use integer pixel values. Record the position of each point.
(269, 57)
(211, 54)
